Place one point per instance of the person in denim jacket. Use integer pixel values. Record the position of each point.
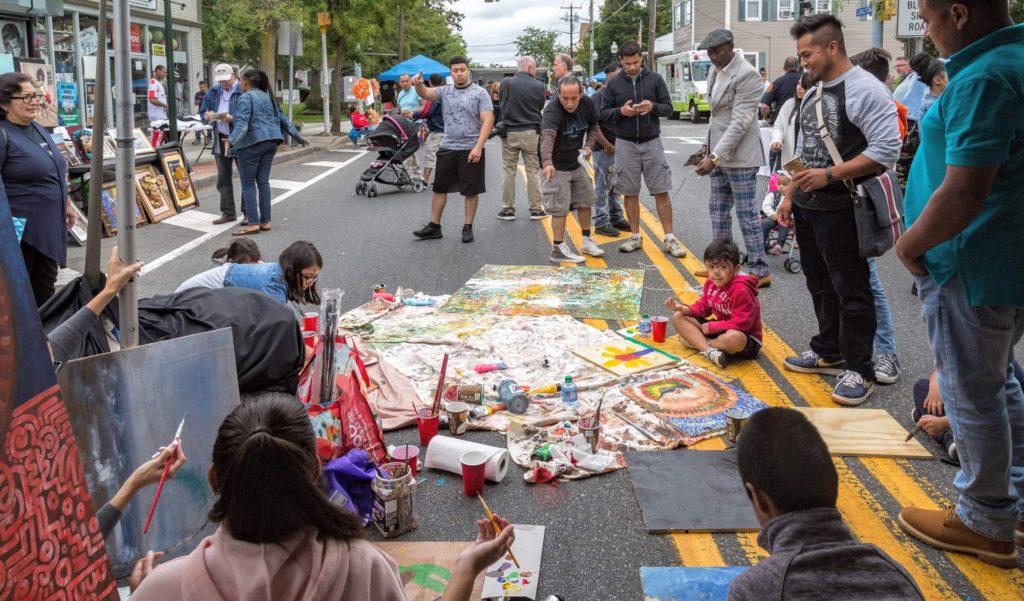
(253, 142)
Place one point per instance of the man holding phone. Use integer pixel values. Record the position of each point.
(216, 109)
(734, 90)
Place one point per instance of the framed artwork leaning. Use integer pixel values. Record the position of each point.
(149, 188)
(179, 179)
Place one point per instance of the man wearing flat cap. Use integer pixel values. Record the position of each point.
(733, 152)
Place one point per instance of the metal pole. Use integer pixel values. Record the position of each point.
(325, 81)
(728, 16)
(359, 73)
(591, 38)
(652, 17)
(99, 116)
(125, 174)
(877, 31)
(172, 95)
(79, 74)
(291, 68)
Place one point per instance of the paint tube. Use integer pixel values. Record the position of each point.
(489, 367)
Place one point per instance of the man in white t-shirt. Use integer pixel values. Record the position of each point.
(157, 107)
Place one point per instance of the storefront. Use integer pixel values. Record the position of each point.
(62, 38)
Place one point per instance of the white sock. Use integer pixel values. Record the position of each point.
(670, 237)
(635, 237)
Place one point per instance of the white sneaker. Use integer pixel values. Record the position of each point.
(717, 357)
(589, 247)
(562, 254)
(674, 248)
(634, 243)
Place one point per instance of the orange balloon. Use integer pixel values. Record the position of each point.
(361, 88)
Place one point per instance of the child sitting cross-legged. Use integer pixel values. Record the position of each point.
(792, 485)
(732, 298)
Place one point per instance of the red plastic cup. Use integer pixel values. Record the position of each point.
(404, 451)
(428, 423)
(310, 339)
(309, 321)
(473, 463)
(659, 327)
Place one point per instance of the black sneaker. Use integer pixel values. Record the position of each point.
(507, 214)
(607, 230)
(622, 226)
(536, 214)
(467, 233)
(430, 231)
(808, 362)
(950, 446)
(887, 369)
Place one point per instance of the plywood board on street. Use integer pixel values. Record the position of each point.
(863, 433)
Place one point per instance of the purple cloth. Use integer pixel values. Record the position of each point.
(351, 476)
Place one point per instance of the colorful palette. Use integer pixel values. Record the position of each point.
(540, 290)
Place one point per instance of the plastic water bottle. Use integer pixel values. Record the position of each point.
(644, 327)
(569, 396)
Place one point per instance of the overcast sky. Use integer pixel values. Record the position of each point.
(489, 28)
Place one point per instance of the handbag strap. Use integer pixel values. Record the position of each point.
(824, 134)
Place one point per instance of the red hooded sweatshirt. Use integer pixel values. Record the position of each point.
(735, 307)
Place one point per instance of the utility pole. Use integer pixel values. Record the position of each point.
(124, 167)
(572, 20)
(590, 30)
(652, 17)
(401, 35)
(172, 96)
(324, 21)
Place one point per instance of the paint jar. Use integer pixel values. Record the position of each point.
(458, 417)
(734, 420)
(591, 429)
(471, 393)
(428, 424)
(394, 500)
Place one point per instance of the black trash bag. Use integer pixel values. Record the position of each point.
(269, 350)
(66, 302)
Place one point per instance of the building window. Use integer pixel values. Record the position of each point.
(822, 6)
(687, 12)
(753, 10)
(785, 9)
(677, 16)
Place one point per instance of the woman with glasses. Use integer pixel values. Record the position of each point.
(34, 177)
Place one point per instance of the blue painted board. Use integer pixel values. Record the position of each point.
(687, 584)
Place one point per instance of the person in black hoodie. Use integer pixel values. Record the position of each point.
(634, 101)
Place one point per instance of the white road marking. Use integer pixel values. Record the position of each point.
(286, 184)
(181, 250)
(349, 150)
(671, 152)
(327, 163)
(198, 221)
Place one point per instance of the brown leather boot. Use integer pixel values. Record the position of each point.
(943, 529)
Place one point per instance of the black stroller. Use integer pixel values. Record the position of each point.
(396, 139)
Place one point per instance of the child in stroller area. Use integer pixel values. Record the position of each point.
(769, 221)
(360, 125)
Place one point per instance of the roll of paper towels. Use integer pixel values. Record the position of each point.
(444, 453)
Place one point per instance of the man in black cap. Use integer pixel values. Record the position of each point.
(734, 89)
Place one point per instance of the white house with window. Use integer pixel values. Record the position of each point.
(762, 27)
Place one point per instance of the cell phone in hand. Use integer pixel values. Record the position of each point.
(694, 159)
(795, 166)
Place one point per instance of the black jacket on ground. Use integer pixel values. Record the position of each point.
(648, 86)
(521, 102)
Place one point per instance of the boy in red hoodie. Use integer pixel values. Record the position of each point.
(732, 298)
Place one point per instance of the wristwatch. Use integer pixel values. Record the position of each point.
(715, 159)
(828, 175)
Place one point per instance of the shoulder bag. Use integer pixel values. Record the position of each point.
(877, 202)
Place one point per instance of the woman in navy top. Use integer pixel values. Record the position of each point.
(254, 141)
(35, 179)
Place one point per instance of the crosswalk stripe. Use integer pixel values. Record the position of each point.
(198, 221)
(326, 164)
(286, 184)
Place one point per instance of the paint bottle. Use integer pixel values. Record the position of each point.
(569, 396)
(513, 397)
(644, 327)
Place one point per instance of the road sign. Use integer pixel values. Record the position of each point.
(864, 11)
(908, 20)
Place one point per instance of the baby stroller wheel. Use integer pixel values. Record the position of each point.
(418, 187)
(372, 191)
(360, 188)
(792, 265)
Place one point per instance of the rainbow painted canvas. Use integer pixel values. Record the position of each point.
(625, 358)
(541, 290)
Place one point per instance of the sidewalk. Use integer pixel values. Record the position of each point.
(204, 170)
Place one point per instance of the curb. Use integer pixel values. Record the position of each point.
(205, 181)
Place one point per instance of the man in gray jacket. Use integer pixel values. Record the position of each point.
(734, 91)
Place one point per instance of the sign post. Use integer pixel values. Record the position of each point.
(909, 23)
(324, 20)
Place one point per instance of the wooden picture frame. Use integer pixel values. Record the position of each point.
(108, 207)
(139, 138)
(69, 152)
(80, 232)
(149, 190)
(179, 179)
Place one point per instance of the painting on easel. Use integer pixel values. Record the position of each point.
(625, 358)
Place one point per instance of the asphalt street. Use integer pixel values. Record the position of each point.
(596, 541)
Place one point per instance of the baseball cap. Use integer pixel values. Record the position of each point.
(222, 72)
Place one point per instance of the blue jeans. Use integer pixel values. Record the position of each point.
(973, 349)
(254, 172)
(607, 204)
(265, 277)
(885, 336)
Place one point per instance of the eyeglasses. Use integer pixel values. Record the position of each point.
(30, 97)
(310, 278)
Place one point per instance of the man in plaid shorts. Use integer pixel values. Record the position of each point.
(734, 91)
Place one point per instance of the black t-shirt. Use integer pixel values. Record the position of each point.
(35, 136)
(571, 131)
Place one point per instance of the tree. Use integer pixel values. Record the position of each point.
(541, 44)
(622, 20)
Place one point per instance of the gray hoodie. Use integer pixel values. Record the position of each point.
(814, 556)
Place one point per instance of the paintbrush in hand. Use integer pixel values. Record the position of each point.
(163, 477)
(436, 407)
(497, 529)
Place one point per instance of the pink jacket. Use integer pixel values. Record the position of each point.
(304, 567)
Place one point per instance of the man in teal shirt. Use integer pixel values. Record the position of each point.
(965, 246)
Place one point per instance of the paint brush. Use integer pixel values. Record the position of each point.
(163, 476)
(635, 426)
(597, 416)
(497, 529)
(913, 433)
(436, 407)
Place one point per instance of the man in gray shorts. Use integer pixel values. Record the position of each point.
(569, 126)
(634, 100)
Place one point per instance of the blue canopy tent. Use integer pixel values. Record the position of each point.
(413, 66)
(599, 77)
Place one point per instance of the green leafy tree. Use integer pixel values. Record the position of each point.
(622, 20)
(541, 44)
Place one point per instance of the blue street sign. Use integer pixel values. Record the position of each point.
(863, 11)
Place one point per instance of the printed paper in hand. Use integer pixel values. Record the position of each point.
(504, 580)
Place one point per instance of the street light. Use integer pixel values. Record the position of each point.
(615, 49)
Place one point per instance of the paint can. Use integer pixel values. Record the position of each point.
(734, 420)
(465, 393)
(394, 500)
(513, 397)
(591, 429)
(458, 417)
